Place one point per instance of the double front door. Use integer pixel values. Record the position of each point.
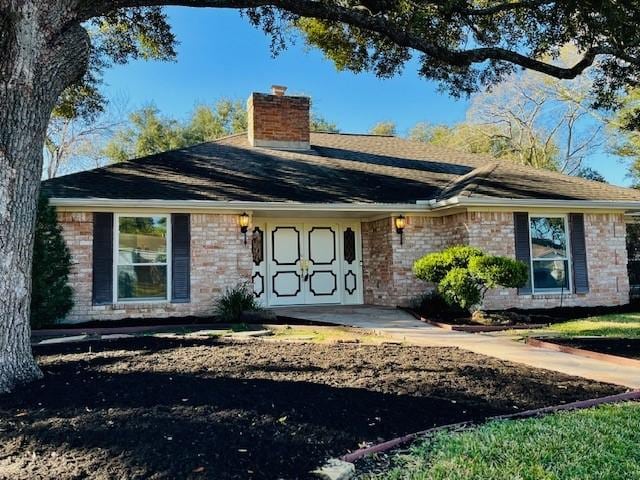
(312, 263)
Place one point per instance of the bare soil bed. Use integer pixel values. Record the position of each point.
(164, 408)
(621, 347)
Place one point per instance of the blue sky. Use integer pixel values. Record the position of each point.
(221, 55)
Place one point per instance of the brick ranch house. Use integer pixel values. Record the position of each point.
(163, 235)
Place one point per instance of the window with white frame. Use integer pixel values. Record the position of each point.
(142, 258)
(549, 253)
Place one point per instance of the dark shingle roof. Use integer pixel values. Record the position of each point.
(338, 168)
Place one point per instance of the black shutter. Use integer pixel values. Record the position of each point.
(102, 258)
(523, 252)
(180, 258)
(578, 253)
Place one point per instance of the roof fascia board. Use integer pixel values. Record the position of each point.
(421, 206)
(237, 205)
(531, 203)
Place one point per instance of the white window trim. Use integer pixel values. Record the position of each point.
(550, 291)
(116, 249)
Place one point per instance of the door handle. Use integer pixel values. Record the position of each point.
(304, 267)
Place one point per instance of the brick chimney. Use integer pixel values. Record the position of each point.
(278, 121)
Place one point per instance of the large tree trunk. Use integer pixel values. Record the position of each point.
(42, 51)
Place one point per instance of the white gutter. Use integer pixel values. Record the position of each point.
(238, 205)
(419, 206)
(528, 203)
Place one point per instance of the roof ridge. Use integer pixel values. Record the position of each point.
(483, 171)
(355, 134)
(225, 137)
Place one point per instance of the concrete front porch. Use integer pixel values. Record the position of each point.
(398, 324)
(362, 316)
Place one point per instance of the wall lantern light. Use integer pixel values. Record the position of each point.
(400, 223)
(243, 220)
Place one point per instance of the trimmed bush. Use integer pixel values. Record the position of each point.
(435, 266)
(495, 271)
(433, 305)
(234, 302)
(460, 287)
(464, 274)
(51, 296)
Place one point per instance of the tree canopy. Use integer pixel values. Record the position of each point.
(384, 128)
(149, 132)
(465, 45)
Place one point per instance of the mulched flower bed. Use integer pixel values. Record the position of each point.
(202, 408)
(179, 321)
(621, 347)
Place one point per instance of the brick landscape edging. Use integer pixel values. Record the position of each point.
(472, 328)
(605, 357)
(581, 404)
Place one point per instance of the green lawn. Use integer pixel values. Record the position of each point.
(615, 325)
(602, 443)
(625, 325)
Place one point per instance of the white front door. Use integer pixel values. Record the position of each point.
(304, 264)
(284, 247)
(322, 268)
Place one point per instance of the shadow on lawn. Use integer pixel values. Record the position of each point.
(227, 423)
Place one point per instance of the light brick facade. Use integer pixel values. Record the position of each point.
(388, 276)
(388, 279)
(606, 260)
(219, 260)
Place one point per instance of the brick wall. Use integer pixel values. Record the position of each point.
(219, 260)
(388, 276)
(377, 259)
(606, 261)
(388, 279)
(278, 121)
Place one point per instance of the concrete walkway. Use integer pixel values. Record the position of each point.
(401, 325)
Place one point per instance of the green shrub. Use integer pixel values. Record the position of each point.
(464, 274)
(51, 296)
(234, 301)
(495, 271)
(433, 305)
(435, 266)
(460, 287)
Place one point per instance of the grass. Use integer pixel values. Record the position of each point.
(594, 444)
(617, 325)
(326, 334)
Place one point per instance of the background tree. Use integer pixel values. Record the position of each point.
(530, 119)
(51, 297)
(77, 143)
(46, 52)
(543, 122)
(383, 128)
(625, 131)
(212, 122)
(146, 133)
(149, 132)
(320, 124)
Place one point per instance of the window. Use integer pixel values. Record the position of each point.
(549, 255)
(142, 258)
